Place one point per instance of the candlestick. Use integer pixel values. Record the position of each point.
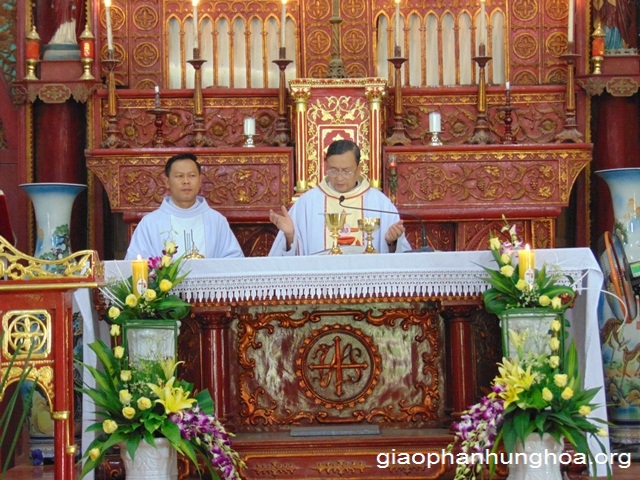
(570, 25)
(526, 264)
(397, 27)
(283, 24)
(483, 24)
(139, 276)
(107, 12)
(195, 24)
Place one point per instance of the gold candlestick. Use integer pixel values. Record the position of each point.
(570, 133)
(199, 139)
(283, 130)
(399, 135)
(481, 133)
(113, 140)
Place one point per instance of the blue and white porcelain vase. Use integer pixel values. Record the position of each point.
(52, 203)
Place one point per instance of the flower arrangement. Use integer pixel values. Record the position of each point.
(139, 402)
(511, 288)
(530, 395)
(156, 301)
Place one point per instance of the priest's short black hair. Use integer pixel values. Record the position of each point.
(181, 156)
(343, 146)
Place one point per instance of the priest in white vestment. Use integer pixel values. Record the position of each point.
(302, 229)
(184, 218)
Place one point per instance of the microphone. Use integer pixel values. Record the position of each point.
(425, 239)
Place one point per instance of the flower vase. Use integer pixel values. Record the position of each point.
(538, 459)
(532, 326)
(621, 340)
(151, 339)
(151, 462)
(52, 203)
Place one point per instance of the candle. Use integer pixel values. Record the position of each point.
(434, 122)
(507, 86)
(139, 276)
(107, 12)
(249, 126)
(283, 24)
(483, 25)
(195, 24)
(157, 100)
(526, 264)
(392, 161)
(397, 29)
(570, 25)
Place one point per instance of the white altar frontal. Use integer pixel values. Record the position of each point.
(323, 362)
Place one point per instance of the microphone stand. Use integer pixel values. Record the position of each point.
(427, 246)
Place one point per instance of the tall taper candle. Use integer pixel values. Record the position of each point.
(195, 24)
(397, 27)
(483, 24)
(283, 24)
(570, 21)
(107, 13)
(157, 97)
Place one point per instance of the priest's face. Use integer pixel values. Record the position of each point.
(342, 171)
(184, 182)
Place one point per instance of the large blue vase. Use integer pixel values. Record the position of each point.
(621, 340)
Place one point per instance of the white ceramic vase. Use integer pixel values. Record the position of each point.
(151, 339)
(159, 462)
(535, 460)
(52, 203)
(532, 325)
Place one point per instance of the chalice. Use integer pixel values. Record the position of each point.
(368, 226)
(335, 222)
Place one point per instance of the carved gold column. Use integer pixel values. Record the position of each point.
(375, 94)
(301, 97)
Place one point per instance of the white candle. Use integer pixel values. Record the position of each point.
(249, 126)
(507, 86)
(570, 26)
(283, 24)
(157, 99)
(195, 23)
(434, 122)
(397, 23)
(483, 24)
(107, 12)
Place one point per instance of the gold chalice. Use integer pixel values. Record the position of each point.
(368, 226)
(335, 222)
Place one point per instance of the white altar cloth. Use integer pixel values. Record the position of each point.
(420, 274)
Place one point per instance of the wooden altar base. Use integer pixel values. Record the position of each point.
(278, 455)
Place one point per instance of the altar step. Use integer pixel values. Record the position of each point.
(392, 454)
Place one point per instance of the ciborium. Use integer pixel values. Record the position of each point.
(368, 226)
(335, 222)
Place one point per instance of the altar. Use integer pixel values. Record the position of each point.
(320, 363)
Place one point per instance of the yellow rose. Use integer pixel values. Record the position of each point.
(556, 303)
(547, 396)
(94, 454)
(166, 261)
(128, 412)
(144, 403)
(544, 301)
(507, 271)
(109, 426)
(125, 397)
(131, 300)
(554, 361)
(567, 393)
(556, 325)
(125, 375)
(494, 243)
(118, 352)
(522, 285)
(584, 410)
(560, 379)
(149, 294)
(603, 433)
(115, 329)
(554, 343)
(165, 285)
(170, 248)
(506, 259)
(114, 313)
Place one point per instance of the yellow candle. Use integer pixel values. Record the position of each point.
(526, 261)
(140, 276)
